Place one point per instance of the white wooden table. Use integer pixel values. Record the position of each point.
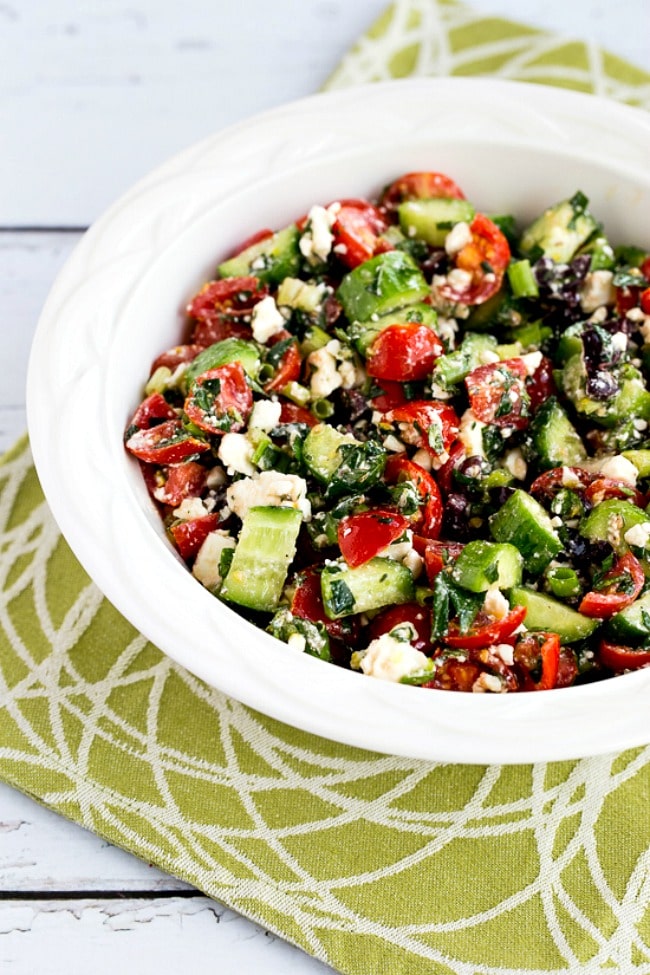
(92, 96)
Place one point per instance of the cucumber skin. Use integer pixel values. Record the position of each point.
(380, 285)
(555, 439)
(380, 582)
(281, 251)
(524, 523)
(469, 569)
(603, 524)
(628, 625)
(545, 613)
(431, 220)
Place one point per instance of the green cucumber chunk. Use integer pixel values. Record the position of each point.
(221, 353)
(523, 522)
(483, 565)
(264, 552)
(431, 220)
(559, 231)
(363, 334)
(321, 451)
(380, 582)
(555, 439)
(545, 613)
(271, 259)
(632, 624)
(451, 368)
(641, 460)
(610, 520)
(381, 285)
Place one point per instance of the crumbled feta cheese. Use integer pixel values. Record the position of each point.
(324, 375)
(471, 434)
(190, 508)
(487, 682)
(269, 488)
(638, 535)
(459, 279)
(208, 559)
(639, 424)
(266, 320)
(236, 453)
(414, 563)
(488, 357)
(317, 239)
(422, 457)
(393, 444)
(515, 464)
(505, 652)
(570, 479)
(619, 342)
(216, 477)
(619, 467)
(389, 659)
(447, 329)
(400, 548)
(265, 416)
(297, 642)
(458, 237)
(495, 604)
(597, 290)
(532, 361)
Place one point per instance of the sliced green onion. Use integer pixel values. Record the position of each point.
(522, 280)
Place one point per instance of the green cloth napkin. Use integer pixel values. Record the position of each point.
(377, 865)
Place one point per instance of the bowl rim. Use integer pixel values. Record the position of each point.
(330, 702)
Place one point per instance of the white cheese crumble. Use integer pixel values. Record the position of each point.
(495, 604)
(191, 508)
(297, 642)
(389, 659)
(265, 415)
(269, 488)
(515, 464)
(471, 434)
(236, 453)
(458, 237)
(422, 457)
(447, 329)
(400, 548)
(597, 290)
(505, 652)
(638, 535)
(459, 279)
(487, 682)
(570, 479)
(266, 320)
(317, 238)
(206, 564)
(619, 342)
(621, 468)
(532, 361)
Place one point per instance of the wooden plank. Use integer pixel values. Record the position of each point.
(159, 936)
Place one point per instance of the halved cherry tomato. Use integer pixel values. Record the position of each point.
(165, 443)
(602, 488)
(288, 368)
(436, 554)
(220, 399)
(363, 536)
(644, 301)
(293, 413)
(497, 393)
(550, 482)
(485, 259)
(357, 232)
(151, 411)
(418, 616)
(453, 673)
(183, 481)
(307, 603)
(222, 309)
(538, 653)
(426, 423)
(404, 352)
(445, 474)
(620, 587)
(618, 657)
(400, 468)
(190, 535)
(627, 298)
(485, 630)
(173, 358)
(419, 186)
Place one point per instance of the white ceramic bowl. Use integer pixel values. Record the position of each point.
(119, 302)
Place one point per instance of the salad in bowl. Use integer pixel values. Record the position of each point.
(410, 437)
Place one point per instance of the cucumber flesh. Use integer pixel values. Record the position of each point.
(264, 552)
(555, 439)
(524, 523)
(545, 613)
(631, 625)
(559, 231)
(610, 520)
(270, 260)
(381, 285)
(431, 220)
(363, 334)
(321, 451)
(483, 565)
(380, 582)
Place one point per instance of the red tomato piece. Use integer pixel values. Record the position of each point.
(165, 443)
(453, 674)
(289, 366)
(627, 298)
(293, 413)
(418, 616)
(419, 186)
(307, 603)
(426, 423)
(644, 301)
(485, 260)
(392, 395)
(497, 393)
(620, 587)
(176, 357)
(618, 657)
(363, 536)
(222, 309)
(602, 488)
(445, 475)
(357, 231)
(151, 410)
(486, 631)
(404, 352)
(538, 653)
(400, 468)
(189, 536)
(436, 554)
(183, 481)
(220, 400)
(550, 482)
